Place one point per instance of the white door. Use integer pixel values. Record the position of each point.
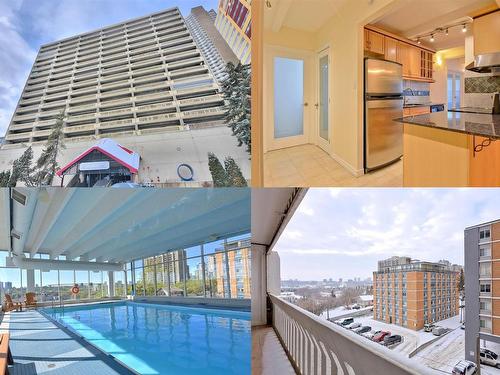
(322, 105)
(454, 89)
(286, 106)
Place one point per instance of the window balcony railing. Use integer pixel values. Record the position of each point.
(316, 346)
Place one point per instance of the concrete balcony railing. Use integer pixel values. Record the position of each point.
(173, 39)
(190, 71)
(180, 64)
(202, 100)
(61, 82)
(316, 346)
(116, 56)
(59, 95)
(154, 69)
(76, 85)
(155, 107)
(55, 112)
(17, 137)
(79, 129)
(31, 116)
(205, 112)
(27, 126)
(33, 81)
(181, 56)
(154, 54)
(112, 51)
(110, 94)
(119, 69)
(84, 90)
(84, 107)
(158, 85)
(35, 86)
(73, 118)
(117, 124)
(115, 62)
(116, 112)
(115, 102)
(159, 95)
(180, 48)
(46, 123)
(196, 89)
(59, 103)
(140, 51)
(31, 108)
(41, 133)
(82, 99)
(145, 62)
(149, 78)
(32, 94)
(158, 118)
(116, 85)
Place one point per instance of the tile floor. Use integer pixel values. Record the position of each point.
(39, 346)
(268, 356)
(309, 166)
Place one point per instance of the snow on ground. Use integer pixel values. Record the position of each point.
(446, 352)
(341, 311)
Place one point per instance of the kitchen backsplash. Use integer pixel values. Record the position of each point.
(420, 94)
(487, 84)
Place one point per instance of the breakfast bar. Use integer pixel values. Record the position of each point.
(451, 149)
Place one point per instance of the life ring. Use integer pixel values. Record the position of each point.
(75, 289)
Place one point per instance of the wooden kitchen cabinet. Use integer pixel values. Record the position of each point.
(414, 60)
(391, 49)
(374, 42)
(486, 31)
(414, 111)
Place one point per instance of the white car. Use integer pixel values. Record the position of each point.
(369, 335)
(489, 357)
(464, 367)
(353, 325)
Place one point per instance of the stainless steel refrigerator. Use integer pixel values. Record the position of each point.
(383, 103)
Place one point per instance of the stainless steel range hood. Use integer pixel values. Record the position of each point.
(487, 63)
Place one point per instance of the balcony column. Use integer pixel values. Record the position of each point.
(30, 280)
(111, 284)
(259, 285)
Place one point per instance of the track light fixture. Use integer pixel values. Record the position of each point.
(432, 38)
(443, 30)
(464, 28)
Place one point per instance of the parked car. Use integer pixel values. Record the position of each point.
(353, 325)
(380, 336)
(462, 326)
(428, 327)
(369, 335)
(363, 329)
(464, 367)
(356, 306)
(438, 331)
(345, 321)
(489, 357)
(392, 339)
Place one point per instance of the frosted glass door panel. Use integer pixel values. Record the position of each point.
(323, 97)
(288, 97)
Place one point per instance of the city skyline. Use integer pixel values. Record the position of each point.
(345, 232)
(26, 25)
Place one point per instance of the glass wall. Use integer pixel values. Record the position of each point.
(219, 269)
(216, 269)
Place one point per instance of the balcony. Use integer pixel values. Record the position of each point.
(79, 108)
(18, 137)
(181, 56)
(85, 83)
(31, 116)
(175, 39)
(150, 78)
(41, 133)
(143, 71)
(185, 63)
(84, 90)
(78, 118)
(81, 99)
(61, 103)
(129, 122)
(27, 126)
(45, 123)
(158, 118)
(199, 89)
(202, 100)
(155, 107)
(110, 94)
(204, 113)
(181, 48)
(115, 102)
(90, 128)
(147, 97)
(116, 112)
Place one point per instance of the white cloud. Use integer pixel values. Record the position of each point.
(346, 237)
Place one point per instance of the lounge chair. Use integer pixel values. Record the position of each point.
(5, 355)
(11, 305)
(30, 300)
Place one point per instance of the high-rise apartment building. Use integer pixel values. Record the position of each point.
(411, 293)
(214, 48)
(144, 81)
(232, 269)
(234, 24)
(482, 285)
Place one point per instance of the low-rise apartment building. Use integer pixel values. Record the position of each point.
(482, 285)
(412, 293)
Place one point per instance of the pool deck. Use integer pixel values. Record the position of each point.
(39, 346)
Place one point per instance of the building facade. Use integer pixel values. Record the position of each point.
(212, 45)
(232, 269)
(144, 80)
(482, 285)
(411, 293)
(234, 24)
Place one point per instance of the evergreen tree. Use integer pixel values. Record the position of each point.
(219, 175)
(22, 170)
(4, 178)
(237, 94)
(234, 176)
(47, 162)
(461, 281)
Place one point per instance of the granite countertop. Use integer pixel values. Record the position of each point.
(483, 125)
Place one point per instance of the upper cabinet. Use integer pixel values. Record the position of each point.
(417, 62)
(486, 30)
(374, 42)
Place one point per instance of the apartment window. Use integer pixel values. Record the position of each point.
(484, 269)
(485, 288)
(484, 233)
(485, 250)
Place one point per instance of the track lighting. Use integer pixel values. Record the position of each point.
(464, 28)
(418, 41)
(432, 37)
(446, 31)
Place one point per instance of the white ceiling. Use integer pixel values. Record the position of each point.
(119, 225)
(271, 210)
(290, 13)
(412, 18)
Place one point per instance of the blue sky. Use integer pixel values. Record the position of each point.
(344, 232)
(27, 24)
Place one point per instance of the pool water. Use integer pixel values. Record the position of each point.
(164, 339)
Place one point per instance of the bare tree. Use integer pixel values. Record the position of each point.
(349, 296)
